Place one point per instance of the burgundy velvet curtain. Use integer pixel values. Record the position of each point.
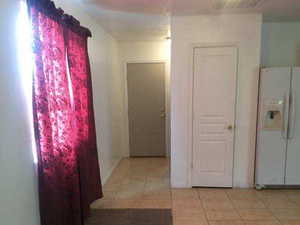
(81, 83)
(68, 169)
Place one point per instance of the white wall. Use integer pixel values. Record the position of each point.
(146, 51)
(18, 189)
(280, 44)
(245, 32)
(107, 86)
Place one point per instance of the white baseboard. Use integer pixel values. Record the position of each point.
(115, 164)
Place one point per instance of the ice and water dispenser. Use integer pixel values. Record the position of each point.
(273, 111)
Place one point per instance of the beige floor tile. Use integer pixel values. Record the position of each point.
(280, 203)
(294, 198)
(129, 194)
(119, 173)
(210, 189)
(242, 194)
(138, 173)
(159, 172)
(157, 183)
(154, 204)
(271, 194)
(296, 201)
(157, 194)
(109, 195)
(290, 222)
(222, 215)
(188, 212)
(133, 183)
(194, 215)
(113, 186)
(240, 191)
(256, 214)
(181, 204)
(184, 194)
(291, 192)
(286, 214)
(114, 204)
(212, 194)
(229, 222)
(136, 179)
(248, 204)
(158, 180)
(261, 222)
(101, 204)
(217, 204)
(189, 221)
(185, 208)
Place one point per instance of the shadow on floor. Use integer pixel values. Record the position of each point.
(130, 217)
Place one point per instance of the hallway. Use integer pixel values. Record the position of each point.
(138, 183)
(144, 183)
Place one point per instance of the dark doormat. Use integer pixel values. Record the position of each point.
(130, 217)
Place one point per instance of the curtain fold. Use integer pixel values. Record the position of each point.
(79, 68)
(68, 169)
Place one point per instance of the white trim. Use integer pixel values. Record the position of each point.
(111, 170)
(167, 101)
(190, 107)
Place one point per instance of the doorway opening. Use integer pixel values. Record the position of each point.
(142, 178)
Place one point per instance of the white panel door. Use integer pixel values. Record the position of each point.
(293, 146)
(214, 99)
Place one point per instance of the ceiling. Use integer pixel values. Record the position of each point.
(150, 19)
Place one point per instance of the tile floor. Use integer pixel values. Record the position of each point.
(144, 183)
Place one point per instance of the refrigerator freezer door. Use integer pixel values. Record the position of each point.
(293, 149)
(272, 144)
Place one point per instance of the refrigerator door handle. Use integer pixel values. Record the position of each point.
(284, 131)
(291, 132)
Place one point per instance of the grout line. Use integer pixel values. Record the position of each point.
(234, 207)
(204, 210)
(265, 204)
(266, 208)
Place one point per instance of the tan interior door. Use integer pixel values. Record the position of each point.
(146, 109)
(214, 99)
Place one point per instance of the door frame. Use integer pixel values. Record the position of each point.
(167, 104)
(191, 104)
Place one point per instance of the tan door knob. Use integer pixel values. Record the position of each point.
(163, 115)
(230, 127)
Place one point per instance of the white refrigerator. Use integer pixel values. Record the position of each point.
(278, 128)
